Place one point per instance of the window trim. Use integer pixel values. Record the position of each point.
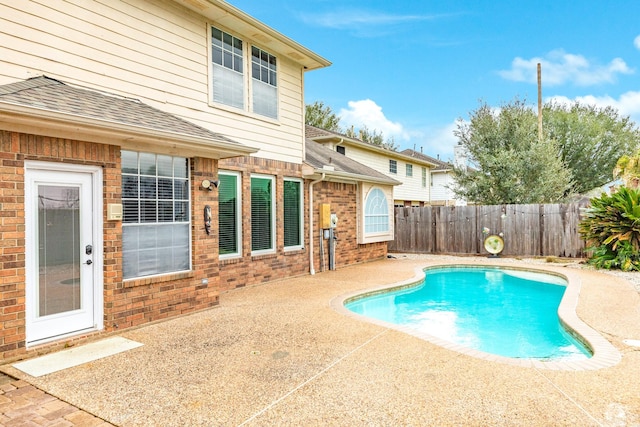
(273, 216)
(300, 214)
(424, 177)
(372, 237)
(409, 170)
(247, 109)
(252, 82)
(238, 177)
(188, 222)
(393, 166)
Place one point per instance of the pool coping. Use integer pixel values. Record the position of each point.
(605, 355)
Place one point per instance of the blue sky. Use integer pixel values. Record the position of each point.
(410, 69)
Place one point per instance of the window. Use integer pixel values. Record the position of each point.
(229, 214)
(265, 87)
(262, 214)
(341, 149)
(156, 219)
(293, 223)
(228, 79)
(409, 170)
(424, 177)
(228, 56)
(393, 166)
(376, 212)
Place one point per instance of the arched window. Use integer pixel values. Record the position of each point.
(376, 212)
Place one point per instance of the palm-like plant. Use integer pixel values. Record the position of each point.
(611, 227)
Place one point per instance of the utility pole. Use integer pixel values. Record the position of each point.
(539, 102)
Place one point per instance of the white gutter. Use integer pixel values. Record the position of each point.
(312, 270)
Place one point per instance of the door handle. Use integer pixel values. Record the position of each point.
(89, 262)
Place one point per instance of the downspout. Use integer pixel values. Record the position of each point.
(312, 270)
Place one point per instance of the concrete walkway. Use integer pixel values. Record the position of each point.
(279, 354)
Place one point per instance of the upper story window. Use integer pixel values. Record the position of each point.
(409, 170)
(424, 177)
(265, 87)
(233, 86)
(228, 70)
(341, 149)
(393, 166)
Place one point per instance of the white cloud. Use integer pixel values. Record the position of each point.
(628, 104)
(636, 42)
(559, 67)
(439, 142)
(351, 19)
(367, 113)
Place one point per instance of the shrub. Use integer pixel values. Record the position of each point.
(611, 227)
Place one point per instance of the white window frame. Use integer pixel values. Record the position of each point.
(393, 166)
(238, 218)
(300, 214)
(272, 249)
(248, 85)
(365, 237)
(142, 224)
(424, 177)
(409, 170)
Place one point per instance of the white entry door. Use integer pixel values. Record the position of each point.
(63, 250)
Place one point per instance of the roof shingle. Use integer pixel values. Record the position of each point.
(53, 95)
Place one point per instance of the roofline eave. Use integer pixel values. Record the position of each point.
(344, 140)
(338, 176)
(19, 118)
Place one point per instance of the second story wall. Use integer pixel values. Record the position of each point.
(412, 187)
(153, 50)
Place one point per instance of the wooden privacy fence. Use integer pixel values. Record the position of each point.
(527, 230)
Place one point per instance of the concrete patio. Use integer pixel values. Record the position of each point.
(279, 354)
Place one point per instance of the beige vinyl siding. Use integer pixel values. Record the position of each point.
(154, 51)
(411, 187)
(440, 193)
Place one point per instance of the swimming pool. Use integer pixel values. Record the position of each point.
(507, 312)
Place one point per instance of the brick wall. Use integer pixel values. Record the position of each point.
(126, 303)
(248, 269)
(135, 302)
(341, 198)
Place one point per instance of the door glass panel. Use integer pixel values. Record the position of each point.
(58, 249)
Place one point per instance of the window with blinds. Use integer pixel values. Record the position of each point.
(262, 214)
(293, 224)
(156, 220)
(229, 209)
(228, 73)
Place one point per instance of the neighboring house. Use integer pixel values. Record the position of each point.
(413, 173)
(153, 155)
(441, 181)
(336, 181)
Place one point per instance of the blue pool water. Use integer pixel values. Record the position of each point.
(511, 313)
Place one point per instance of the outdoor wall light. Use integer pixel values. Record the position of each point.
(209, 185)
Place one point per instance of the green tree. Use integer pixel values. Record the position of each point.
(509, 162)
(628, 169)
(611, 227)
(372, 137)
(591, 140)
(322, 116)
